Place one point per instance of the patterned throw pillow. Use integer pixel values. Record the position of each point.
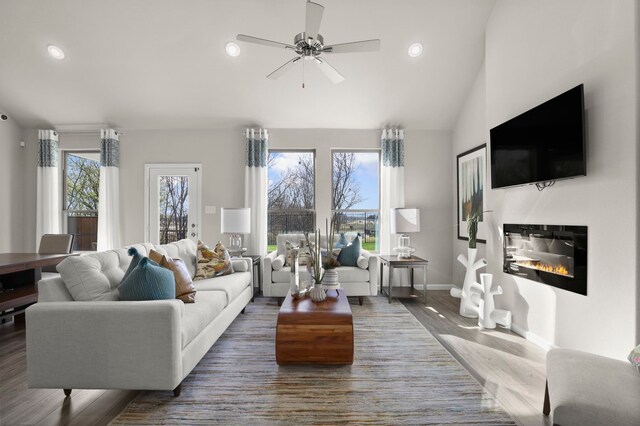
(304, 254)
(148, 281)
(185, 290)
(349, 255)
(212, 263)
(634, 357)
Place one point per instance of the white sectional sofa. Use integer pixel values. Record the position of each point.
(111, 344)
(355, 281)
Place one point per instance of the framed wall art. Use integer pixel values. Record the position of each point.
(472, 177)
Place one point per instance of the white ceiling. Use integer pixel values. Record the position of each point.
(148, 64)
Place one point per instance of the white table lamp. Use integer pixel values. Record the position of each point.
(235, 222)
(405, 221)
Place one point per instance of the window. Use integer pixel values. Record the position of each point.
(355, 194)
(80, 190)
(291, 193)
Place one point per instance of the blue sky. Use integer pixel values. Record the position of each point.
(367, 175)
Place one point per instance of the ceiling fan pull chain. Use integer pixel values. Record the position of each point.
(303, 73)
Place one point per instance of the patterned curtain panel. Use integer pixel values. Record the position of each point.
(48, 190)
(255, 188)
(391, 183)
(109, 193)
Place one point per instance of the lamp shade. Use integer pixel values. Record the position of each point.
(404, 221)
(235, 221)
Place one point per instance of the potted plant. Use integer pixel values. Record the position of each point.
(322, 270)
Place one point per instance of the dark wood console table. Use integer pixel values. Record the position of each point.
(19, 276)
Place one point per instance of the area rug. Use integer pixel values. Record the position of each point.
(400, 375)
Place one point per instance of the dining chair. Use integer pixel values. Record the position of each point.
(55, 244)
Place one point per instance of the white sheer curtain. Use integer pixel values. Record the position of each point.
(48, 189)
(391, 183)
(255, 188)
(109, 198)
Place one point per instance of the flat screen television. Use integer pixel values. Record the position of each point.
(546, 143)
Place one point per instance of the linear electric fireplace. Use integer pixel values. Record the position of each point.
(551, 254)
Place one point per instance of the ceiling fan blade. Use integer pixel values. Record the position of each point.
(314, 17)
(355, 46)
(283, 69)
(329, 71)
(256, 40)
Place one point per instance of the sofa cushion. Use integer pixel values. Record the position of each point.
(212, 263)
(94, 276)
(148, 281)
(346, 274)
(304, 253)
(232, 285)
(284, 275)
(352, 274)
(239, 265)
(184, 249)
(199, 315)
(349, 255)
(185, 289)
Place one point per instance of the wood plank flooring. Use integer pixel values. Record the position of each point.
(511, 368)
(508, 366)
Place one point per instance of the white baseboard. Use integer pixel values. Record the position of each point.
(532, 337)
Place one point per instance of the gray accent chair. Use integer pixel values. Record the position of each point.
(586, 389)
(355, 281)
(55, 244)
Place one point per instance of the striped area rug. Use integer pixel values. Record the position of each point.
(400, 375)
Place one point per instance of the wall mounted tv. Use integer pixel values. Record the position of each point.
(546, 143)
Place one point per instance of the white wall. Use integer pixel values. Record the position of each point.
(469, 132)
(11, 188)
(534, 51)
(221, 152)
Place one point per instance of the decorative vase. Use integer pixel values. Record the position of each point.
(294, 279)
(330, 280)
(468, 307)
(318, 293)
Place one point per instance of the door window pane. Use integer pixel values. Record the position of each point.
(173, 208)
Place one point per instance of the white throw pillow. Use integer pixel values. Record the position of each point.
(93, 276)
(363, 259)
(239, 265)
(278, 262)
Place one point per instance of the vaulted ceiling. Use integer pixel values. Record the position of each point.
(147, 64)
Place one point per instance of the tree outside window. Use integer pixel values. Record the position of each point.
(81, 193)
(291, 194)
(356, 194)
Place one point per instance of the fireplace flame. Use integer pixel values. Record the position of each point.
(554, 269)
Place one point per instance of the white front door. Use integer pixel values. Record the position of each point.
(172, 202)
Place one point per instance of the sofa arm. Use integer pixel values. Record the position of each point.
(267, 267)
(105, 345)
(248, 266)
(373, 275)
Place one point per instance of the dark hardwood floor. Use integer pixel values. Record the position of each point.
(508, 366)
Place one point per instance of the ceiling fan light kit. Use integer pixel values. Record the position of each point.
(309, 45)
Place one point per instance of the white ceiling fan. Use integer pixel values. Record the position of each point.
(309, 45)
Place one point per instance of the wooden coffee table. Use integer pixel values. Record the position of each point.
(310, 332)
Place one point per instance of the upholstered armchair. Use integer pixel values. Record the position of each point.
(354, 280)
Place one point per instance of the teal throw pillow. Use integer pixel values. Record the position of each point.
(634, 357)
(135, 259)
(349, 255)
(148, 281)
(342, 242)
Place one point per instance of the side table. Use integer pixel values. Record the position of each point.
(392, 262)
(257, 260)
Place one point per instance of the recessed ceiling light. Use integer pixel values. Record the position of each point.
(232, 49)
(55, 52)
(415, 50)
